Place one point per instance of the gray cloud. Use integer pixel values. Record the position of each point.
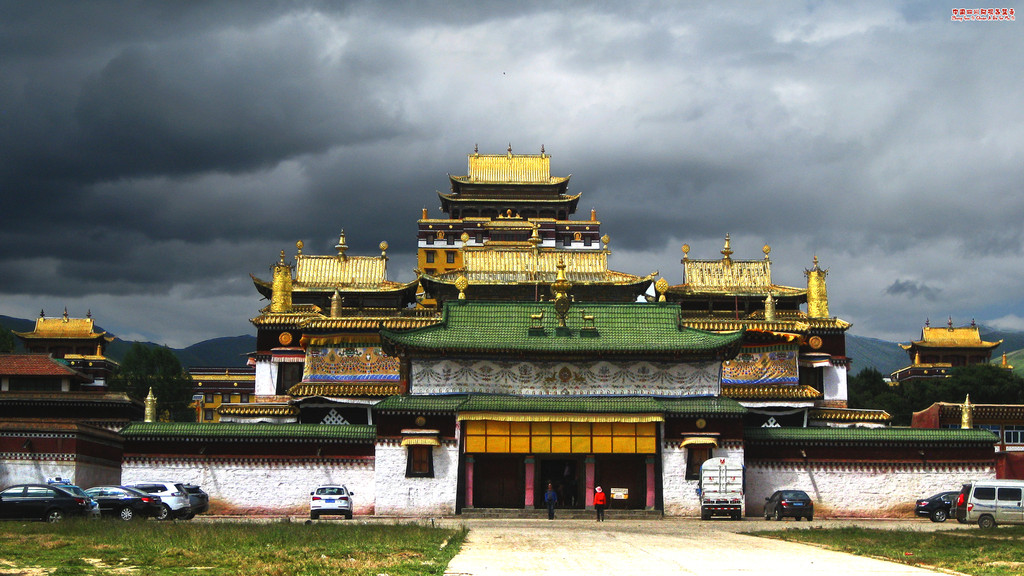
(158, 153)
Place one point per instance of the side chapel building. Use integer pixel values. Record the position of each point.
(517, 358)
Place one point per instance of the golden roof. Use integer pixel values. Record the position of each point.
(510, 168)
(236, 377)
(317, 271)
(257, 410)
(770, 392)
(337, 390)
(849, 415)
(358, 323)
(950, 337)
(63, 327)
(784, 322)
(512, 265)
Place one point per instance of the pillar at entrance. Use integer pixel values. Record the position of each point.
(530, 467)
(650, 483)
(469, 481)
(590, 481)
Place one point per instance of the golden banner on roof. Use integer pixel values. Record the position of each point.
(555, 417)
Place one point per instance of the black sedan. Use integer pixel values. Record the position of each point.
(795, 503)
(936, 506)
(42, 502)
(125, 503)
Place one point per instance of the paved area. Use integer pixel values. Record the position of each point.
(674, 546)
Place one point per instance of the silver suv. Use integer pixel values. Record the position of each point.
(330, 499)
(174, 500)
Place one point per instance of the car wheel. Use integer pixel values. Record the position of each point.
(190, 516)
(314, 515)
(348, 516)
(809, 518)
(126, 514)
(939, 515)
(55, 515)
(704, 515)
(986, 522)
(164, 513)
(778, 515)
(767, 514)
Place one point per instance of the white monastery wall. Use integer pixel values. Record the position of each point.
(858, 490)
(834, 381)
(401, 496)
(266, 378)
(37, 470)
(255, 486)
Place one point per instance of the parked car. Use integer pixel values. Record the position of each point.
(330, 499)
(991, 502)
(94, 507)
(174, 501)
(125, 503)
(937, 507)
(795, 503)
(198, 499)
(49, 502)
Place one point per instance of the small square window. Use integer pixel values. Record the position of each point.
(208, 415)
(450, 257)
(695, 456)
(420, 463)
(430, 256)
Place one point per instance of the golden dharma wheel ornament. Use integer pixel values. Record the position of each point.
(686, 248)
(299, 245)
(814, 342)
(661, 285)
(701, 423)
(464, 237)
(462, 283)
(285, 338)
(766, 249)
(383, 246)
(421, 421)
(606, 239)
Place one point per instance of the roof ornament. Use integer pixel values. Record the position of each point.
(560, 288)
(65, 314)
(462, 283)
(88, 313)
(661, 286)
(509, 149)
(927, 323)
(817, 292)
(1005, 364)
(686, 252)
(298, 247)
(766, 249)
(967, 414)
(541, 149)
(341, 246)
(727, 251)
(593, 214)
(605, 240)
(769, 308)
(42, 314)
(150, 406)
(383, 249)
(476, 149)
(973, 325)
(335, 304)
(949, 324)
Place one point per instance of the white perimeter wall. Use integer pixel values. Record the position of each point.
(39, 470)
(401, 496)
(244, 486)
(834, 382)
(860, 491)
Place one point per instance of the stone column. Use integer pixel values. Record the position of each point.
(590, 481)
(530, 479)
(469, 481)
(650, 482)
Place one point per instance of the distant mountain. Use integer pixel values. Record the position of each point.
(227, 351)
(882, 355)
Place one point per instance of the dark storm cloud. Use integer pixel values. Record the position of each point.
(155, 154)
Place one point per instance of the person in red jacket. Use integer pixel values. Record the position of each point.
(600, 501)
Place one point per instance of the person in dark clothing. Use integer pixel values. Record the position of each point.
(551, 498)
(600, 501)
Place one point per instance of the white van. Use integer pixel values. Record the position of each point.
(991, 502)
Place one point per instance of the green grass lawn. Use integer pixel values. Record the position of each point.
(279, 549)
(997, 552)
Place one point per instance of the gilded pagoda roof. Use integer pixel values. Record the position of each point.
(951, 337)
(64, 328)
(770, 392)
(510, 169)
(520, 263)
(785, 321)
(351, 319)
(590, 328)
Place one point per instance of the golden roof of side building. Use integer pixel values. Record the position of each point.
(849, 415)
(950, 337)
(770, 392)
(257, 410)
(64, 328)
(298, 315)
(785, 321)
(308, 389)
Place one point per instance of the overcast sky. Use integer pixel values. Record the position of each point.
(153, 155)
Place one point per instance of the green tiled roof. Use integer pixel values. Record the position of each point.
(227, 430)
(562, 404)
(421, 404)
(868, 436)
(709, 406)
(582, 404)
(616, 327)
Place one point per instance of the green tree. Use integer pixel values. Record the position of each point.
(157, 368)
(868, 390)
(7, 343)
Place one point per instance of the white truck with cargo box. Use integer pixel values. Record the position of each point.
(721, 488)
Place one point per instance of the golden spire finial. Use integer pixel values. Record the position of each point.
(1005, 364)
(341, 246)
(424, 214)
(150, 406)
(767, 250)
(727, 251)
(534, 238)
(605, 240)
(476, 148)
(967, 413)
(65, 314)
(686, 252)
(593, 214)
(542, 150)
(462, 283)
(383, 248)
(769, 308)
(560, 288)
(281, 262)
(949, 324)
(817, 293)
(298, 247)
(509, 149)
(335, 304)
(281, 295)
(661, 286)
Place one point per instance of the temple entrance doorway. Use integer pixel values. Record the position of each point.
(498, 481)
(624, 478)
(567, 475)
